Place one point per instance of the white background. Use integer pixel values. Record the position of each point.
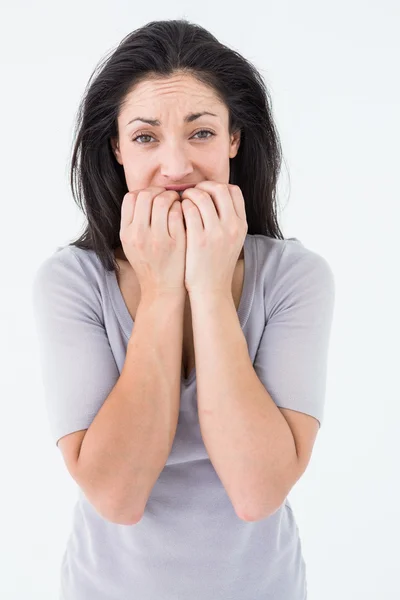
(333, 72)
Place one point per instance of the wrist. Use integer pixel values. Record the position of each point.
(163, 296)
(210, 296)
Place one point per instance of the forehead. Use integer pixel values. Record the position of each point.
(164, 91)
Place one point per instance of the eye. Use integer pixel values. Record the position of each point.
(147, 135)
(141, 135)
(205, 131)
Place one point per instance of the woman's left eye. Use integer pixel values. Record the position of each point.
(147, 135)
(205, 131)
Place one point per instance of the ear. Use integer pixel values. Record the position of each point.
(115, 149)
(235, 143)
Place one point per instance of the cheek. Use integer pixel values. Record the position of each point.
(215, 163)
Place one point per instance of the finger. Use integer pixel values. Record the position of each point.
(176, 222)
(193, 217)
(143, 207)
(127, 209)
(206, 210)
(221, 199)
(161, 206)
(238, 201)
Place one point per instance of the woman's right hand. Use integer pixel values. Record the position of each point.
(153, 238)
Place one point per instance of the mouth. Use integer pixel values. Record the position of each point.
(180, 188)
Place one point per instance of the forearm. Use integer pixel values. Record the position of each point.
(246, 436)
(128, 443)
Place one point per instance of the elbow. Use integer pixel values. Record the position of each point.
(108, 508)
(119, 519)
(262, 511)
(117, 516)
(257, 516)
(111, 511)
(251, 517)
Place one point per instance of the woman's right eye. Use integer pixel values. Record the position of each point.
(141, 135)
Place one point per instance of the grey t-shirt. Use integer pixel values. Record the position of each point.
(189, 543)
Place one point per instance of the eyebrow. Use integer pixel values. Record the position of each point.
(188, 119)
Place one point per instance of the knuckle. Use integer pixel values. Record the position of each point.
(157, 244)
(164, 199)
(140, 235)
(233, 231)
(219, 235)
(140, 242)
(160, 201)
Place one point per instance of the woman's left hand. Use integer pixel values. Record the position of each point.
(216, 228)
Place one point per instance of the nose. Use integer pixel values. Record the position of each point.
(175, 165)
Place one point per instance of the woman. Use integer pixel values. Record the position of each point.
(184, 340)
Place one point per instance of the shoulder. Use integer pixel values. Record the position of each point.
(70, 262)
(289, 256)
(291, 271)
(69, 277)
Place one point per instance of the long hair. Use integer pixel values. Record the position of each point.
(162, 48)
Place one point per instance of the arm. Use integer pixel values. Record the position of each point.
(247, 438)
(128, 443)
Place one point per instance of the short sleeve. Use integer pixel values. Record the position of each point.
(77, 365)
(292, 357)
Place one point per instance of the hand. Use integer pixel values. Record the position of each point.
(216, 228)
(153, 238)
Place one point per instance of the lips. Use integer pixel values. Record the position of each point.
(180, 188)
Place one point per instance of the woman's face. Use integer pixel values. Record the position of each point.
(174, 152)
